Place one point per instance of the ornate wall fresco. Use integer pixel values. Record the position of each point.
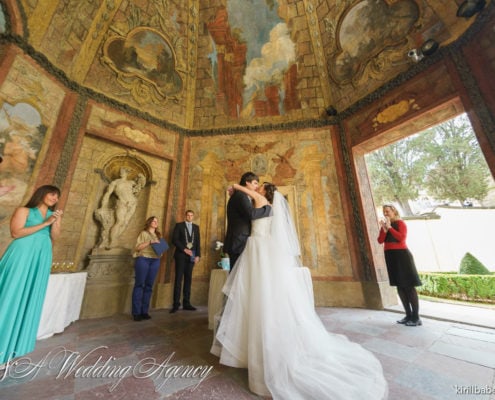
(304, 161)
(29, 105)
(398, 106)
(366, 42)
(253, 60)
(137, 53)
(229, 63)
(259, 67)
(144, 55)
(121, 108)
(132, 132)
(21, 136)
(366, 29)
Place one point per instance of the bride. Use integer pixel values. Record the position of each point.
(269, 324)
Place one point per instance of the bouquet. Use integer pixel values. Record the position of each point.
(219, 247)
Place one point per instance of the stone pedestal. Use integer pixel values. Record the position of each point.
(109, 284)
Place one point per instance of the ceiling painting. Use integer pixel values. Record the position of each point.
(227, 63)
(144, 60)
(253, 60)
(366, 29)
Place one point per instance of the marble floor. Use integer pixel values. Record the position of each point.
(117, 358)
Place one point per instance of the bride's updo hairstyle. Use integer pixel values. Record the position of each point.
(270, 189)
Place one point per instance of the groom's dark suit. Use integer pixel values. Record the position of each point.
(240, 213)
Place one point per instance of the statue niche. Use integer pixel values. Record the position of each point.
(123, 203)
(119, 201)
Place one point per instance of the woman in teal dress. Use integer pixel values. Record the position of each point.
(24, 271)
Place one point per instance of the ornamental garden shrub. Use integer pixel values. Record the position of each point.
(474, 282)
(470, 265)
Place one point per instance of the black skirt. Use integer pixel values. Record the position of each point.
(401, 268)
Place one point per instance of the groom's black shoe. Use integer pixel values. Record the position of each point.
(414, 322)
(404, 320)
(189, 307)
(173, 310)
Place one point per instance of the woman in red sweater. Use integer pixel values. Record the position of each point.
(400, 263)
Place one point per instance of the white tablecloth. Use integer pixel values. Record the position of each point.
(215, 294)
(63, 301)
(219, 276)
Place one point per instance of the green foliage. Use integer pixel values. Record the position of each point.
(475, 288)
(470, 265)
(457, 170)
(397, 171)
(445, 162)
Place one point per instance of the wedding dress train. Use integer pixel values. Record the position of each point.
(269, 325)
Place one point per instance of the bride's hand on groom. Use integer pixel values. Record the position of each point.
(230, 190)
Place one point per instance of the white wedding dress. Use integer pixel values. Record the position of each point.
(269, 325)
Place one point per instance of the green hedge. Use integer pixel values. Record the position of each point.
(476, 288)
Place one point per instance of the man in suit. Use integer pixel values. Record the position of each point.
(240, 213)
(187, 252)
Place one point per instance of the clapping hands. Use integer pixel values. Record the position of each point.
(56, 216)
(385, 223)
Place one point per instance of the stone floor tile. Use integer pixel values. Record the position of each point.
(429, 362)
(462, 353)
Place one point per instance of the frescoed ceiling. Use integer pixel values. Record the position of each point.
(232, 63)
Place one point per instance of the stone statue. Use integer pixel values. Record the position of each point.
(115, 219)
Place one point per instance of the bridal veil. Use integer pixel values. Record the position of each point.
(269, 324)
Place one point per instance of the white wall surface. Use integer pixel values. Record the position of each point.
(438, 245)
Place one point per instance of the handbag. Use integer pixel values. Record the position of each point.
(160, 247)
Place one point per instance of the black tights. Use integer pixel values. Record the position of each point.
(409, 298)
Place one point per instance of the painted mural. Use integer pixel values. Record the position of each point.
(301, 162)
(366, 30)
(147, 56)
(21, 136)
(253, 60)
(131, 132)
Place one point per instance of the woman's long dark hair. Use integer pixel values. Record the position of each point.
(39, 194)
(147, 224)
(270, 189)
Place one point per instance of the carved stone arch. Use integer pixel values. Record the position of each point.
(134, 164)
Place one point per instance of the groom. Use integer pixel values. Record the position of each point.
(240, 213)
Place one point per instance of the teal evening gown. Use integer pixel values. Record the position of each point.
(24, 272)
